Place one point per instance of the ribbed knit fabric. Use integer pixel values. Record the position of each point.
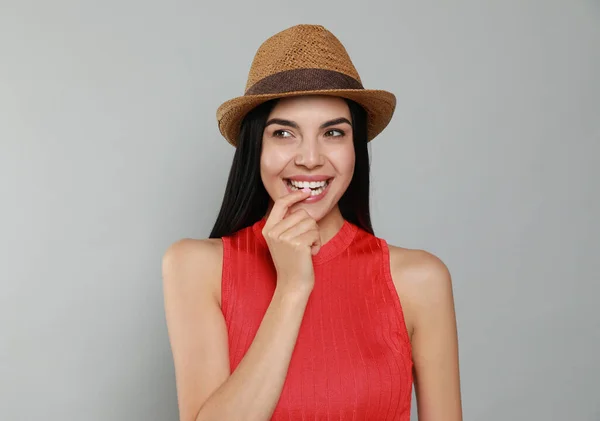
(352, 359)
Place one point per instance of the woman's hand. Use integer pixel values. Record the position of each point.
(292, 239)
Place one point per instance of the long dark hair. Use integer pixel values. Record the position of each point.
(246, 200)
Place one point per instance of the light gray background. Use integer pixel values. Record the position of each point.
(110, 152)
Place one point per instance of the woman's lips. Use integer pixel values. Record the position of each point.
(312, 198)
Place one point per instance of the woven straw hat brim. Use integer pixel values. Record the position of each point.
(378, 104)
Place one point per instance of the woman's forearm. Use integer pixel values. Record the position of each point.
(253, 389)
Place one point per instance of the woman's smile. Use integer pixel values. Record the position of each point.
(319, 186)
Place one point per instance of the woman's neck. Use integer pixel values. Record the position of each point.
(330, 224)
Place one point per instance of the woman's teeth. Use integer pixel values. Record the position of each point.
(317, 187)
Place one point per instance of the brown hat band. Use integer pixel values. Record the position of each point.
(303, 80)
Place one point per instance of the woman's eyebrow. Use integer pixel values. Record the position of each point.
(334, 122)
(282, 122)
(293, 124)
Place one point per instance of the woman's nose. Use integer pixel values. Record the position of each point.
(309, 154)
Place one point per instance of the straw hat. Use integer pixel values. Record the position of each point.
(303, 60)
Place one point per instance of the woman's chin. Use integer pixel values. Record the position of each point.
(315, 212)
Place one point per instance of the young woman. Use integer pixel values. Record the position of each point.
(293, 309)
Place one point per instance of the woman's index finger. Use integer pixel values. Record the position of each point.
(282, 205)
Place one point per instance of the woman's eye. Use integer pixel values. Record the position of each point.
(281, 133)
(339, 133)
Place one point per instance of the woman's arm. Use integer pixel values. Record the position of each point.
(198, 336)
(425, 285)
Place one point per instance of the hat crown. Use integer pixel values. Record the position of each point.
(300, 47)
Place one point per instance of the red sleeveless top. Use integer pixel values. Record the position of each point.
(352, 359)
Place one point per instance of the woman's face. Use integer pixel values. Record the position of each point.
(307, 141)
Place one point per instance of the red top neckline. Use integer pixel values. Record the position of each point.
(336, 245)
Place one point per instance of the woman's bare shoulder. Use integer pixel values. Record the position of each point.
(422, 280)
(194, 265)
(417, 266)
